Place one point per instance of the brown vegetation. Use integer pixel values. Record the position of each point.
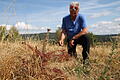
(26, 61)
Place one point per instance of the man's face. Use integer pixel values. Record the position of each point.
(74, 10)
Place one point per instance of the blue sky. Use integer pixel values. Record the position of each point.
(34, 16)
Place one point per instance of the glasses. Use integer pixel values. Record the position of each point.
(74, 8)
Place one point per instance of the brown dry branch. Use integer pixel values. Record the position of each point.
(49, 55)
(49, 74)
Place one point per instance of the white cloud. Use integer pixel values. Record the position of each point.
(96, 15)
(97, 5)
(58, 26)
(102, 23)
(117, 19)
(105, 22)
(26, 28)
(23, 25)
(105, 27)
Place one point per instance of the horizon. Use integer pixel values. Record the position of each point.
(88, 32)
(36, 16)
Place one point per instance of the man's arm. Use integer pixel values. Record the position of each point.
(61, 41)
(84, 31)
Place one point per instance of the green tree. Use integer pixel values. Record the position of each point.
(13, 34)
(92, 38)
(58, 33)
(3, 32)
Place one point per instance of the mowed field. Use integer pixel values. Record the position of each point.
(27, 61)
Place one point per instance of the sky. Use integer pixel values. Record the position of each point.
(35, 16)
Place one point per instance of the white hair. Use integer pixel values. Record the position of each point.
(75, 3)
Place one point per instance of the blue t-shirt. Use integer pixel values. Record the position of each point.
(73, 27)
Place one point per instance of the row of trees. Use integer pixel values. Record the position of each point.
(13, 34)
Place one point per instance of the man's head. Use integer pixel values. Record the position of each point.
(74, 9)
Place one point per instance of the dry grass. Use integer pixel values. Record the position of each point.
(19, 62)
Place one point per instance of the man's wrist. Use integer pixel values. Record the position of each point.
(73, 38)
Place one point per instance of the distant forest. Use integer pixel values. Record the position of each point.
(53, 36)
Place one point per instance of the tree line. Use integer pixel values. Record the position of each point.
(13, 35)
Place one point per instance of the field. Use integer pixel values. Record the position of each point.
(27, 61)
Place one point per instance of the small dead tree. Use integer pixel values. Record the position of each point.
(45, 41)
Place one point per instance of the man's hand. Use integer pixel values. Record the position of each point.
(61, 42)
(71, 42)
